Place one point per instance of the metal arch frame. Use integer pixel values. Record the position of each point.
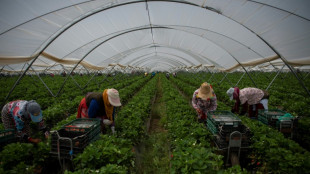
(172, 55)
(44, 15)
(56, 35)
(197, 57)
(155, 45)
(170, 60)
(146, 47)
(167, 64)
(211, 42)
(184, 31)
(279, 9)
(142, 57)
(169, 26)
(273, 49)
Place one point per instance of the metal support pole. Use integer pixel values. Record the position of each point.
(211, 77)
(286, 73)
(2, 68)
(17, 81)
(225, 77)
(240, 79)
(44, 83)
(275, 77)
(306, 75)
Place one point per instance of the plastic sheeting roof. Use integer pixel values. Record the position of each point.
(155, 35)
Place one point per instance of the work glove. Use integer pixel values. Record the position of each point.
(107, 122)
(34, 140)
(113, 130)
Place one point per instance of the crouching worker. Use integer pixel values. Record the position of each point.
(251, 99)
(18, 115)
(204, 100)
(102, 106)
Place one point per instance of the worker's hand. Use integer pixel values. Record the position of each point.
(198, 111)
(107, 122)
(113, 130)
(35, 140)
(47, 134)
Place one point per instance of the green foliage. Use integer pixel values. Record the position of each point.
(234, 170)
(195, 159)
(108, 169)
(107, 150)
(278, 154)
(17, 157)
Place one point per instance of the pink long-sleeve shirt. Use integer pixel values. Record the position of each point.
(251, 95)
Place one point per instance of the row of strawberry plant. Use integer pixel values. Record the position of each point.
(191, 147)
(65, 106)
(45, 158)
(285, 93)
(276, 153)
(31, 88)
(115, 152)
(297, 106)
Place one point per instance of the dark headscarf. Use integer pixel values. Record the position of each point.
(236, 97)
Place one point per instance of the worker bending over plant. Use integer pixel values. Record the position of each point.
(100, 105)
(204, 100)
(251, 99)
(18, 115)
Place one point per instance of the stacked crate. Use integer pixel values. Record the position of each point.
(73, 137)
(278, 119)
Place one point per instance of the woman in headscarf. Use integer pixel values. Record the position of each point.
(251, 99)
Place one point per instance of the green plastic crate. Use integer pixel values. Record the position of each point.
(73, 137)
(211, 127)
(225, 118)
(270, 113)
(270, 116)
(7, 135)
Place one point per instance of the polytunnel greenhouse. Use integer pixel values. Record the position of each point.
(174, 86)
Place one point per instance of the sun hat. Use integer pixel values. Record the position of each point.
(113, 97)
(230, 93)
(205, 91)
(34, 110)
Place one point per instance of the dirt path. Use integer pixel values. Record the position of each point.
(153, 152)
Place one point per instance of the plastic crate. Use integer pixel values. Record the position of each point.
(270, 113)
(73, 137)
(7, 136)
(222, 124)
(270, 116)
(211, 127)
(224, 118)
(82, 124)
